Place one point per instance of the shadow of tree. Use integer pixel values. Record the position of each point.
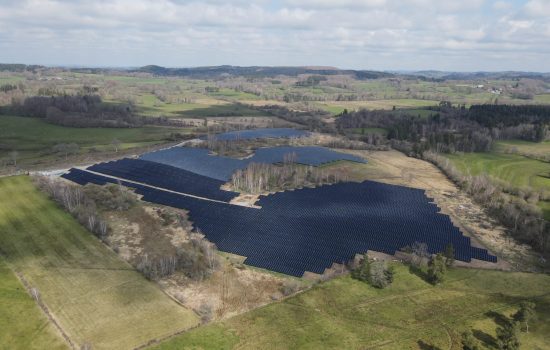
(499, 318)
(487, 339)
(425, 346)
(418, 272)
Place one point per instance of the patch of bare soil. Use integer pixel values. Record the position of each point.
(395, 168)
(247, 200)
(146, 229)
(231, 290)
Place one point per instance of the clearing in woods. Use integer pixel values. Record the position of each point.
(96, 298)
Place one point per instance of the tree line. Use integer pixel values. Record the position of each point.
(76, 111)
(77, 202)
(260, 177)
(456, 129)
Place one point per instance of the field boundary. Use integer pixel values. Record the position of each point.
(43, 307)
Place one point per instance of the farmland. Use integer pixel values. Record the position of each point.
(515, 170)
(22, 323)
(34, 139)
(410, 314)
(377, 104)
(536, 149)
(89, 290)
(201, 97)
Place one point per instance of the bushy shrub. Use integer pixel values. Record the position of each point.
(197, 258)
(289, 287)
(375, 272)
(111, 196)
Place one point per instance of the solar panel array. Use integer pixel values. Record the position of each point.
(307, 155)
(310, 229)
(198, 160)
(83, 177)
(166, 177)
(262, 133)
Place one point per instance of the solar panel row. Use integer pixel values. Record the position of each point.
(165, 176)
(310, 229)
(198, 160)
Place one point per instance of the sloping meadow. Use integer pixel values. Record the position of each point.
(96, 298)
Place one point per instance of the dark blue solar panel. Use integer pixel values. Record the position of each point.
(310, 229)
(198, 160)
(308, 155)
(83, 177)
(263, 133)
(166, 177)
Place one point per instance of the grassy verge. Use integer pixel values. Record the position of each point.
(22, 323)
(96, 297)
(410, 314)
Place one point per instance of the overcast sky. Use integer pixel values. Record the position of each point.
(453, 35)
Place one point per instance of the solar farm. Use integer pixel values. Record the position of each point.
(199, 161)
(290, 232)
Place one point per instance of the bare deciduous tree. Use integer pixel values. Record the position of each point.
(419, 254)
(14, 155)
(116, 144)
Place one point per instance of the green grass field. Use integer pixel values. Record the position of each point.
(22, 324)
(332, 109)
(150, 105)
(233, 94)
(10, 80)
(222, 111)
(525, 147)
(544, 98)
(33, 138)
(410, 314)
(514, 169)
(96, 297)
(338, 106)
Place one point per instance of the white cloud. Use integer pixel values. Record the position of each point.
(324, 4)
(376, 34)
(538, 8)
(502, 6)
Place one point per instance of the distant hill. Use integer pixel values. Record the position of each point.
(256, 71)
(480, 75)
